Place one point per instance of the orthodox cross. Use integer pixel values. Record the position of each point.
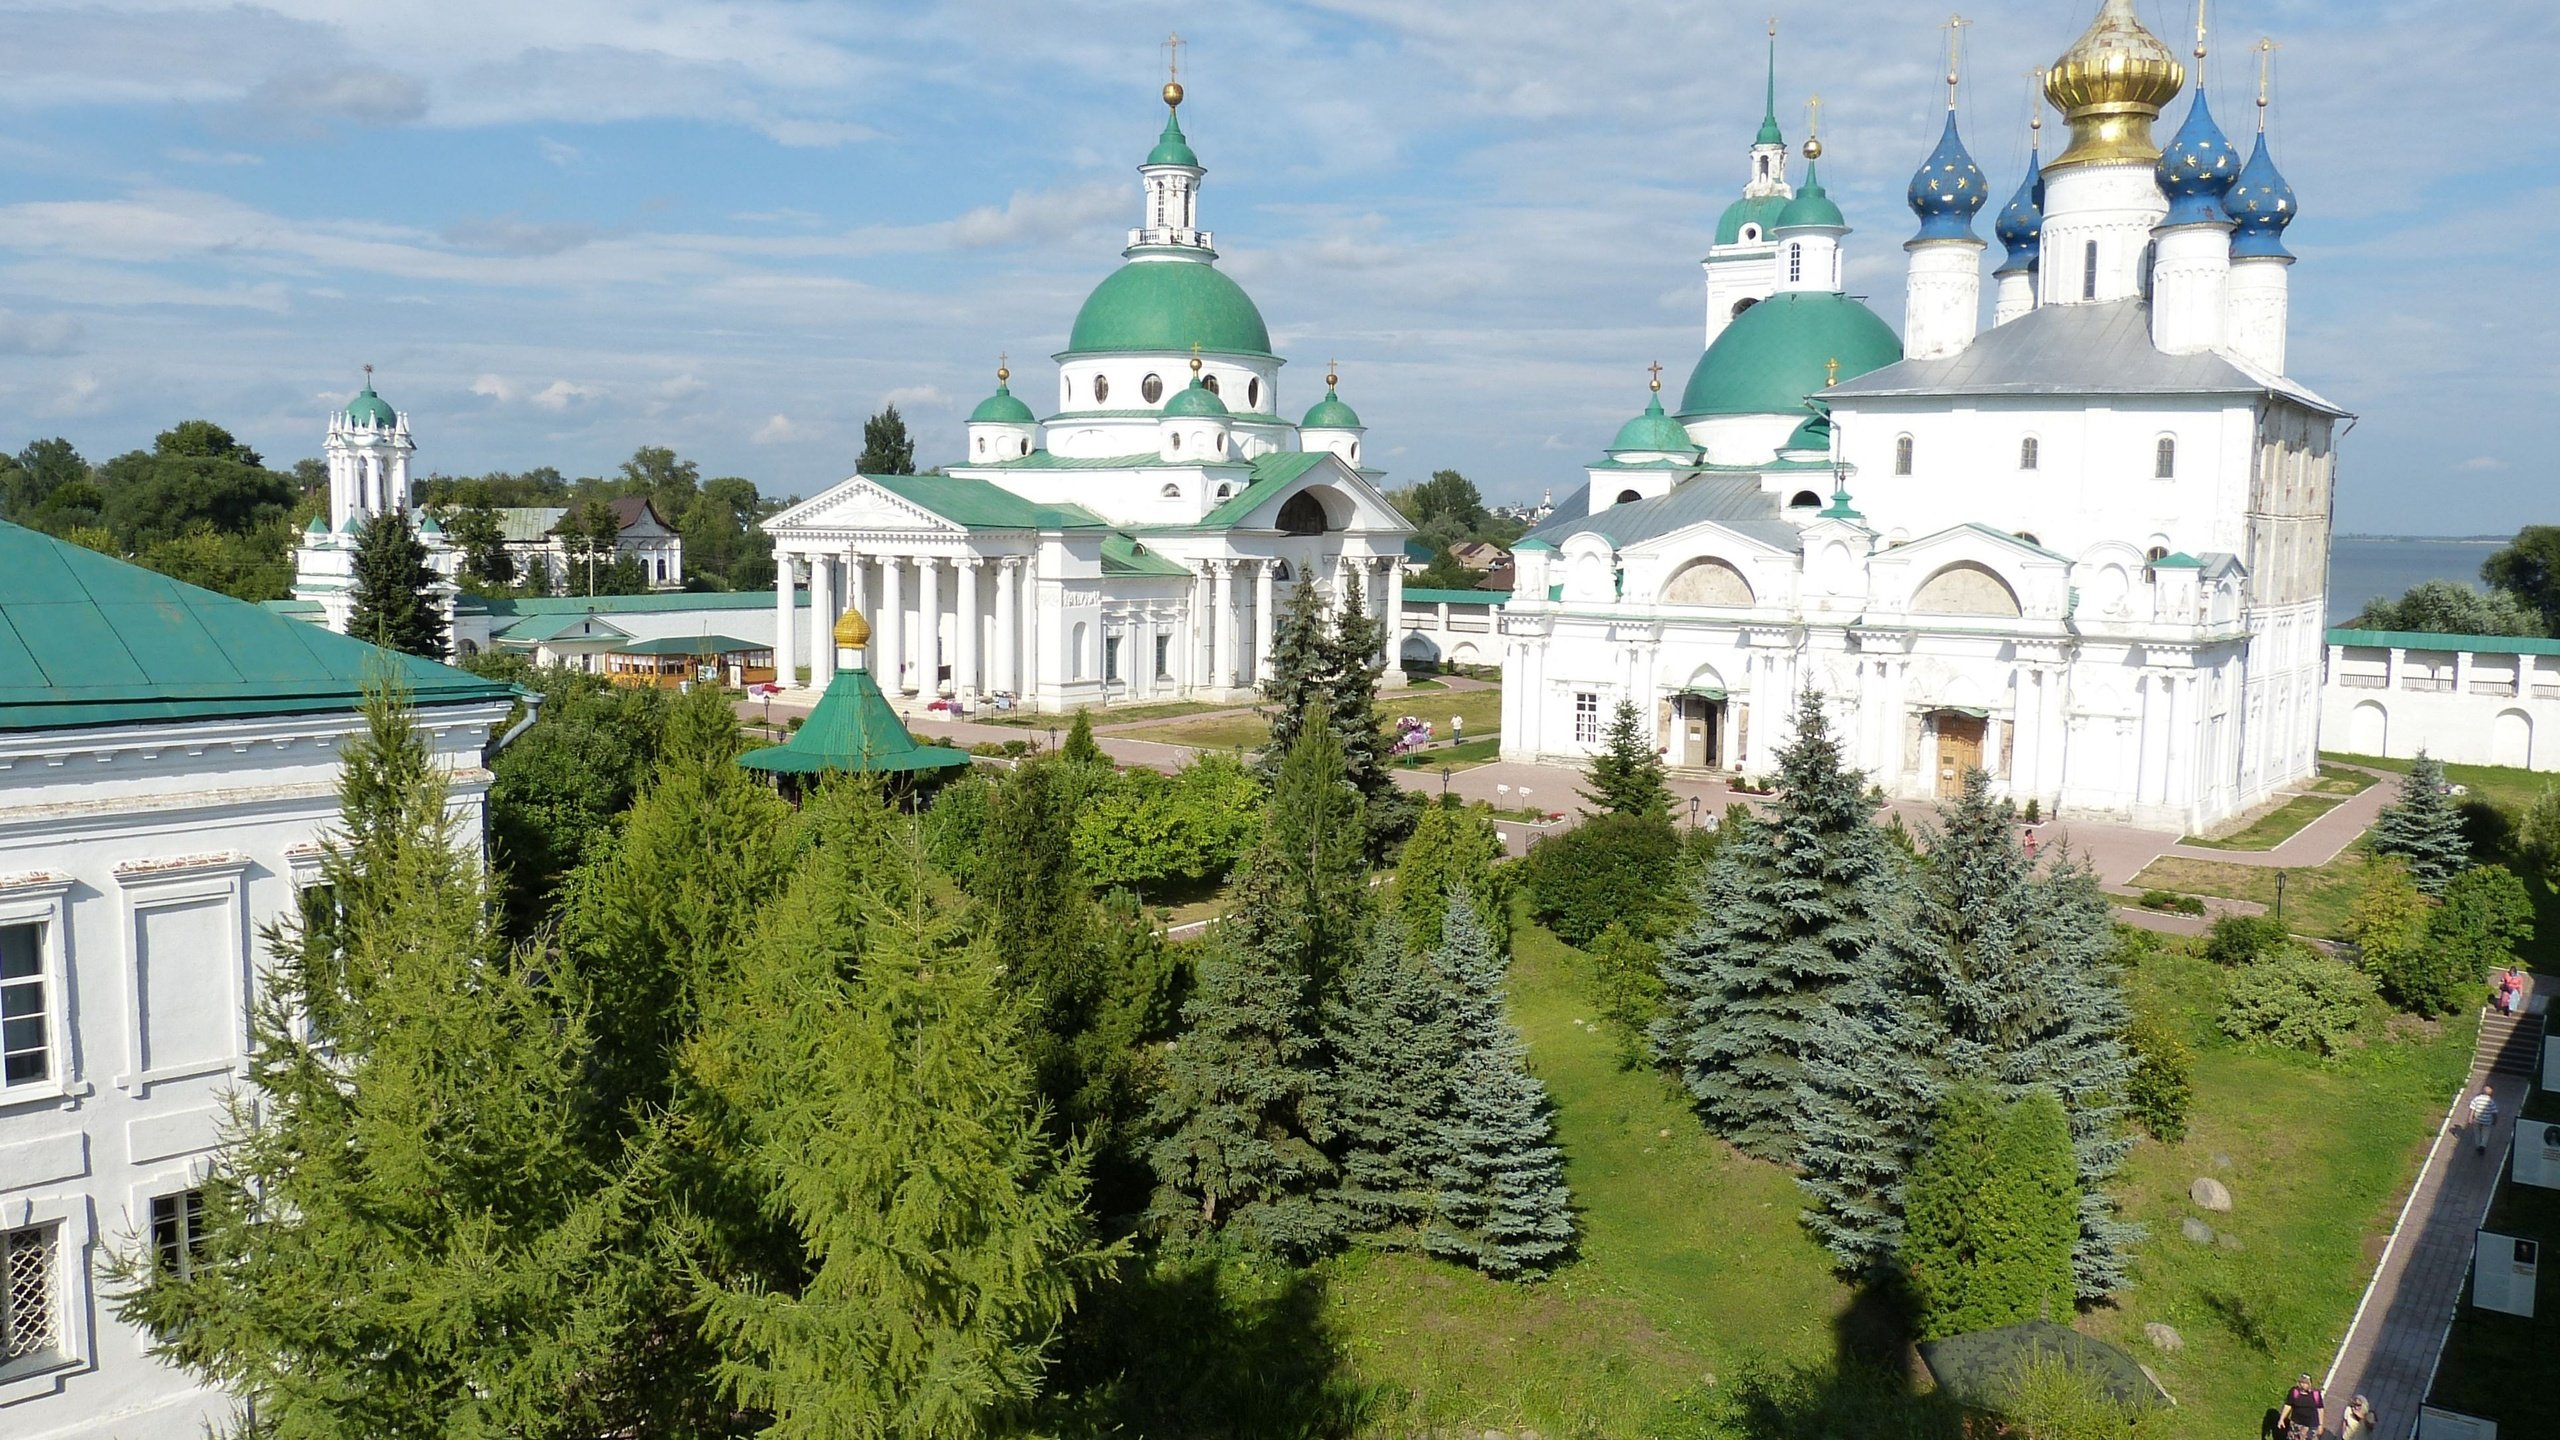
(1656, 368)
(1172, 48)
(1955, 54)
(2266, 77)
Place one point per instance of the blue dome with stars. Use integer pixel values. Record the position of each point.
(2021, 222)
(2262, 204)
(2197, 166)
(1948, 190)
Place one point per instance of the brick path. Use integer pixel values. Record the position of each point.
(2389, 1354)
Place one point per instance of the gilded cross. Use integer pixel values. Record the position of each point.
(1830, 372)
(1172, 48)
(1656, 368)
(1955, 54)
(2267, 48)
(1813, 116)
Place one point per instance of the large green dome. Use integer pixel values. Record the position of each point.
(1779, 351)
(1169, 306)
(1761, 210)
(370, 409)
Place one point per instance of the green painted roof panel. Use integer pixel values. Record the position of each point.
(1271, 474)
(852, 731)
(1778, 352)
(1125, 555)
(2425, 640)
(1423, 595)
(1169, 305)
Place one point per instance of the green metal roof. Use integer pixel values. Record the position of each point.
(1196, 399)
(1422, 595)
(1002, 408)
(853, 731)
(86, 639)
(1271, 474)
(1532, 543)
(1778, 352)
(982, 504)
(689, 645)
(2426, 640)
(1760, 210)
(1047, 460)
(502, 607)
(1171, 147)
(1330, 413)
(370, 409)
(1654, 431)
(535, 629)
(1811, 207)
(1125, 555)
(2180, 561)
(1169, 306)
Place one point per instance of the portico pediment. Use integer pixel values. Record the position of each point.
(858, 504)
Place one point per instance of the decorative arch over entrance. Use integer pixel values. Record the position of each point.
(1707, 580)
(1967, 588)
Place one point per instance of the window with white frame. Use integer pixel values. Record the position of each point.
(177, 1232)
(1111, 659)
(1902, 455)
(1586, 717)
(26, 1012)
(30, 1301)
(1164, 657)
(2029, 453)
(1795, 262)
(2164, 459)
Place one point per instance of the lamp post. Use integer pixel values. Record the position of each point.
(2280, 897)
(1053, 739)
(1444, 779)
(1693, 812)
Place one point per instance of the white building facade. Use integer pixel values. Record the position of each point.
(2464, 699)
(2084, 550)
(168, 775)
(367, 449)
(1136, 544)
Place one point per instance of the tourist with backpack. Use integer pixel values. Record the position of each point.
(2300, 1417)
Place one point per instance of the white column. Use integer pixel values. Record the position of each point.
(1222, 618)
(1394, 597)
(1263, 605)
(1008, 625)
(786, 595)
(928, 626)
(1138, 655)
(964, 671)
(889, 628)
(822, 620)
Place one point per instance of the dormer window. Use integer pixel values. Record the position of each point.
(1751, 232)
(1171, 492)
(1805, 500)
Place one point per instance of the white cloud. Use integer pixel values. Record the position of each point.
(681, 387)
(777, 430)
(917, 397)
(507, 235)
(38, 334)
(80, 394)
(494, 387)
(559, 152)
(561, 394)
(361, 94)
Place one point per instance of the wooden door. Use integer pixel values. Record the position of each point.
(1959, 750)
(1694, 747)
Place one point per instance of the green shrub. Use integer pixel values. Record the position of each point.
(2486, 916)
(2298, 999)
(2235, 940)
(1626, 974)
(2170, 901)
(2159, 1090)
(1623, 868)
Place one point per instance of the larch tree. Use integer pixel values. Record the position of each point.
(394, 590)
(1452, 847)
(2422, 829)
(1794, 907)
(1500, 1203)
(1625, 776)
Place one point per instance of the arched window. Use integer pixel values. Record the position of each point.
(1253, 393)
(2028, 536)
(1221, 443)
(1026, 446)
(2089, 272)
(1795, 262)
(1224, 491)
(1764, 167)
(2164, 459)
(1628, 497)
(2027, 453)
(982, 446)
(1209, 383)
(1171, 492)
(1750, 232)
(1741, 305)
(1902, 455)
(1101, 389)
(1805, 500)
(1175, 440)
(1302, 514)
(1151, 389)
(1355, 452)
(1066, 392)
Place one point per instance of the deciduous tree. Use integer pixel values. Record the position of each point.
(886, 448)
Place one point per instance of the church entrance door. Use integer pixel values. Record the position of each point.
(1959, 750)
(1699, 723)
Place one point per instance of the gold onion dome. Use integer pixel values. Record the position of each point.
(2111, 84)
(852, 631)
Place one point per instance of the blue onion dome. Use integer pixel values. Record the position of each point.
(2021, 223)
(1811, 207)
(2262, 204)
(1948, 190)
(2197, 167)
(1654, 431)
(1003, 407)
(1196, 399)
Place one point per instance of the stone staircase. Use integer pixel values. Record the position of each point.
(2510, 1044)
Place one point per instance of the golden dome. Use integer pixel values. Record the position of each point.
(852, 631)
(2110, 85)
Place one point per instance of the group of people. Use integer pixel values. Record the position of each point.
(2299, 1418)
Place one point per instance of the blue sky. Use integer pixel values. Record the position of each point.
(565, 229)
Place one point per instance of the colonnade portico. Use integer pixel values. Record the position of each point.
(908, 650)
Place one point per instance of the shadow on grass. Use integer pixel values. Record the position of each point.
(1208, 1345)
(1865, 1390)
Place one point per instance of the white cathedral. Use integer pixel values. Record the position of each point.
(1138, 543)
(2084, 549)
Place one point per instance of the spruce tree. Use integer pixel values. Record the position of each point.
(1500, 1203)
(2423, 829)
(1296, 672)
(1079, 747)
(1625, 776)
(1452, 846)
(1395, 1048)
(394, 590)
(1790, 909)
(1242, 1119)
(1331, 654)
(862, 1079)
(1994, 1214)
(404, 1233)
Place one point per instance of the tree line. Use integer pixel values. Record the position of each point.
(2521, 595)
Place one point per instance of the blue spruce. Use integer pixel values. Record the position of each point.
(1501, 1205)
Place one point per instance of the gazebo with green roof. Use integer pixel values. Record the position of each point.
(853, 731)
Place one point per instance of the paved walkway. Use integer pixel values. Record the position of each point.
(2317, 843)
(2390, 1352)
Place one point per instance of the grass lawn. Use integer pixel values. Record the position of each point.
(2511, 790)
(2320, 1157)
(2273, 828)
(1464, 755)
(2489, 1354)
(1114, 715)
(1482, 710)
(2341, 781)
(2315, 900)
(1691, 1259)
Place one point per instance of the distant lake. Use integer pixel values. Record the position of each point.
(2359, 570)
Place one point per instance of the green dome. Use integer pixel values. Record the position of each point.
(370, 409)
(1760, 210)
(1002, 408)
(1812, 206)
(1330, 413)
(1814, 434)
(1169, 306)
(1654, 431)
(1171, 148)
(1778, 352)
(1196, 399)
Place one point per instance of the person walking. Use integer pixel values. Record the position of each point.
(2300, 1417)
(2359, 1423)
(2484, 1118)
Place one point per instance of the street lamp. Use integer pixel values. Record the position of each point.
(2280, 897)
(1444, 779)
(1693, 812)
(1053, 739)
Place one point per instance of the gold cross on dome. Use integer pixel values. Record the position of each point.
(1955, 54)
(1813, 113)
(1830, 372)
(1172, 48)
(1656, 368)
(368, 372)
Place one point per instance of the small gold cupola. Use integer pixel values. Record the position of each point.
(852, 631)
(2110, 85)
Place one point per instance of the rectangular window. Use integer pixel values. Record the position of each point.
(30, 1320)
(1111, 659)
(1586, 717)
(1164, 657)
(2089, 272)
(177, 1231)
(26, 1043)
